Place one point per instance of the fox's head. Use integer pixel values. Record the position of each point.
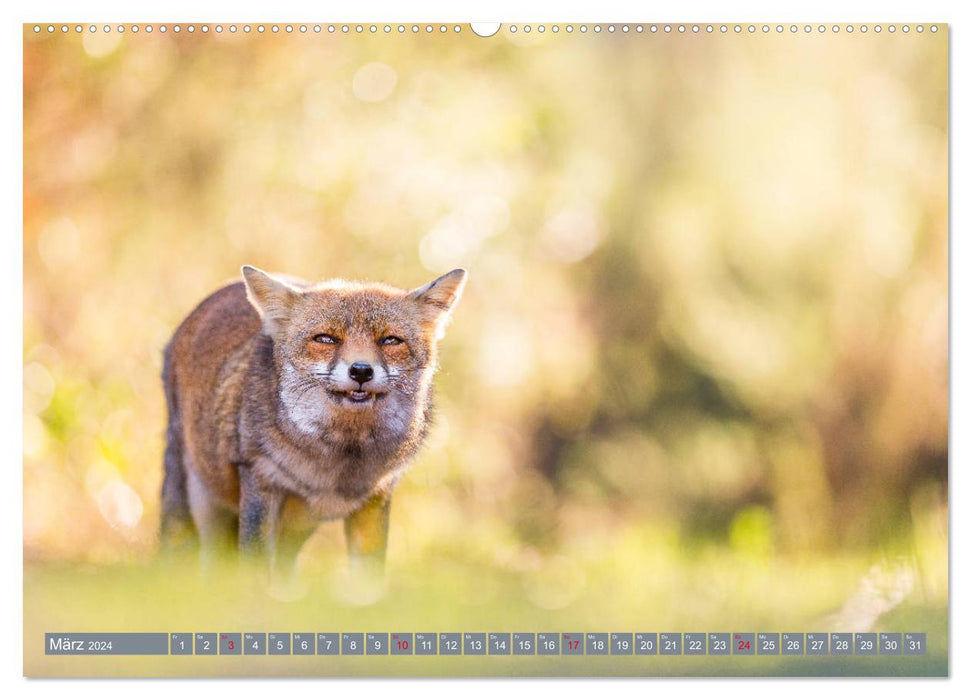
(355, 361)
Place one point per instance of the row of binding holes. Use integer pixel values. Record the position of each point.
(713, 28)
(429, 28)
(258, 28)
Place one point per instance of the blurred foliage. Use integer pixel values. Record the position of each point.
(707, 309)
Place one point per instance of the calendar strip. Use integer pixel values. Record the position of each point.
(510, 644)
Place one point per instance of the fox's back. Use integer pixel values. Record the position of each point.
(204, 366)
(218, 327)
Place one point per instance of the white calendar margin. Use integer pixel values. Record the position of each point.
(11, 271)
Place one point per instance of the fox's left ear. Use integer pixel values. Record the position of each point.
(439, 297)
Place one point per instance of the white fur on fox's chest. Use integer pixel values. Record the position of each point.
(313, 476)
(307, 482)
(316, 488)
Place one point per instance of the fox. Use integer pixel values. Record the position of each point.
(291, 403)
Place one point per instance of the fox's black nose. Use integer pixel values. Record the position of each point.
(361, 372)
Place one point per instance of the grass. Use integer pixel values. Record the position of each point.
(713, 590)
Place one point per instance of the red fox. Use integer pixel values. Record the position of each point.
(291, 403)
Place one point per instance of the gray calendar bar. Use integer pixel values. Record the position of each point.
(352, 644)
(328, 643)
(278, 643)
(206, 643)
(694, 644)
(793, 643)
(743, 644)
(106, 643)
(230, 643)
(377, 643)
(254, 643)
(500, 643)
(513, 644)
(670, 643)
(891, 643)
(841, 643)
(450, 644)
(817, 643)
(915, 643)
(548, 643)
(571, 643)
(719, 643)
(474, 644)
(523, 643)
(303, 643)
(597, 644)
(621, 644)
(645, 643)
(180, 643)
(402, 643)
(426, 643)
(768, 643)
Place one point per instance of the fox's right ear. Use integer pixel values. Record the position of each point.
(272, 298)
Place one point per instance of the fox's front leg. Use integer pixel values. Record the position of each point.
(259, 518)
(366, 530)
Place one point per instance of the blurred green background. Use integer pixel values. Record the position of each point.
(700, 370)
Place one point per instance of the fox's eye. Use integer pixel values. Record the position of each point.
(390, 340)
(325, 338)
